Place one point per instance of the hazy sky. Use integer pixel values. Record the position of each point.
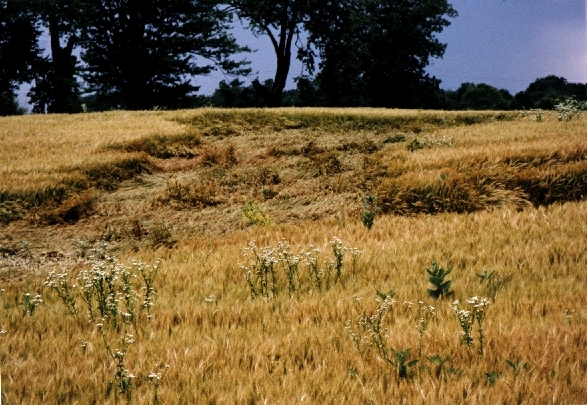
(505, 43)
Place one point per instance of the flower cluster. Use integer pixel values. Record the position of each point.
(371, 331)
(466, 321)
(466, 318)
(431, 140)
(569, 109)
(30, 303)
(263, 266)
(426, 313)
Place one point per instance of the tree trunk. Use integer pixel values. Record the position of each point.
(63, 83)
(272, 96)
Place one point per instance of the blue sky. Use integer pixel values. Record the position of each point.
(505, 43)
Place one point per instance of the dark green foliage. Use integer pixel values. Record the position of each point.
(368, 217)
(142, 54)
(441, 287)
(492, 377)
(481, 96)
(233, 95)
(516, 366)
(486, 278)
(9, 105)
(548, 91)
(401, 362)
(375, 52)
(19, 51)
(439, 361)
(371, 52)
(415, 145)
(57, 89)
(385, 295)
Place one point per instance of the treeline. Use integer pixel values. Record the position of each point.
(96, 55)
(543, 93)
(144, 54)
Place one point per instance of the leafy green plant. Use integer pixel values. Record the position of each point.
(486, 278)
(439, 361)
(492, 377)
(516, 366)
(369, 211)
(401, 363)
(384, 295)
(441, 287)
(493, 282)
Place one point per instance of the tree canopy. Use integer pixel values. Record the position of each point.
(547, 91)
(19, 51)
(281, 21)
(56, 88)
(372, 52)
(144, 53)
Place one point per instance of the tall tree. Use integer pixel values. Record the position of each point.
(375, 52)
(144, 53)
(402, 42)
(282, 21)
(56, 89)
(18, 51)
(337, 29)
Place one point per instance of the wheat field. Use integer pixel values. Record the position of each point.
(496, 197)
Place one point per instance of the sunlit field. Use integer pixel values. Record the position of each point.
(228, 257)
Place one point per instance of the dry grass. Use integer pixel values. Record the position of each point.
(308, 170)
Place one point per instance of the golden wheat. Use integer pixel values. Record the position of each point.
(224, 347)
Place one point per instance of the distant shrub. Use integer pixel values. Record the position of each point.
(253, 215)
